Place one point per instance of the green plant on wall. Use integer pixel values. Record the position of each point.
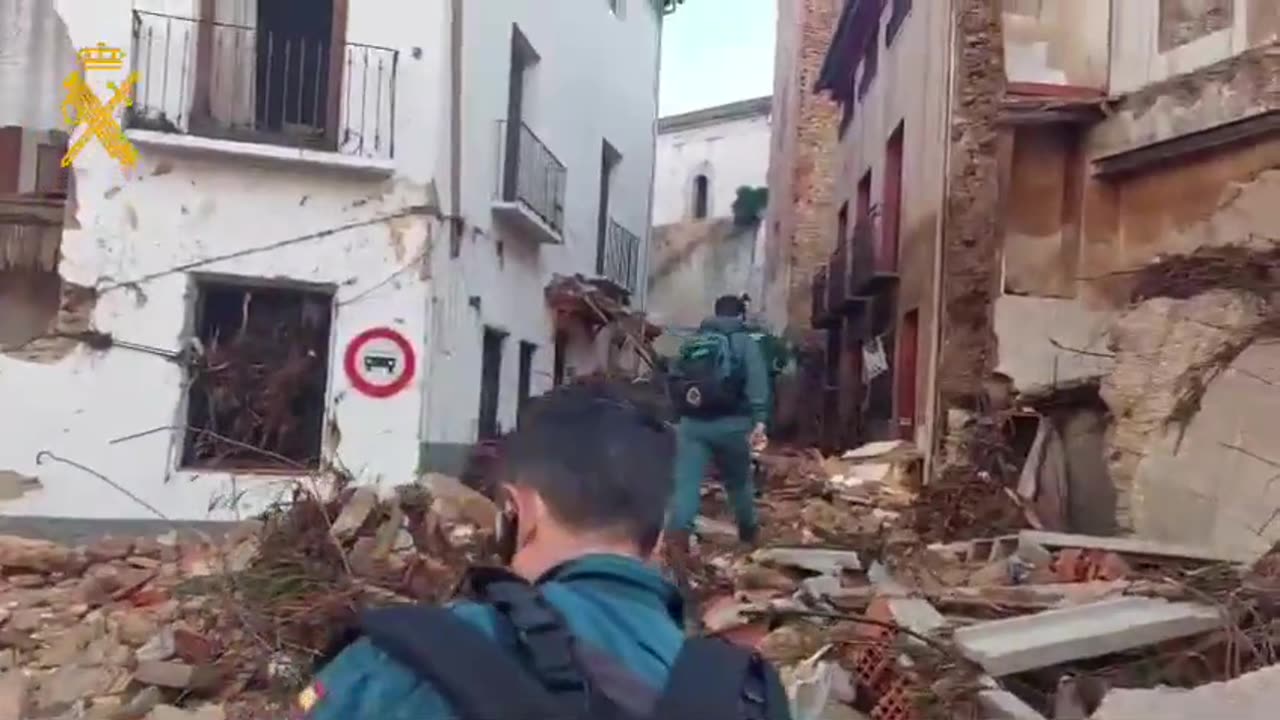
(749, 206)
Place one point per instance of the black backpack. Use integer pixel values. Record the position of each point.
(556, 678)
(707, 379)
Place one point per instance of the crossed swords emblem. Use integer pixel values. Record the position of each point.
(83, 106)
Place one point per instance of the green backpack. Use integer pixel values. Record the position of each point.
(706, 379)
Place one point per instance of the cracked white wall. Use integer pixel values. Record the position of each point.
(139, 229)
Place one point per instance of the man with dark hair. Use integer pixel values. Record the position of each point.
(579, 626)
(720, 387)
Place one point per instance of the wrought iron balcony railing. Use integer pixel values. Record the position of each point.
(238, 82)
(621, 260)
(530, 174)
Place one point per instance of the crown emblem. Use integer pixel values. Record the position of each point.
(102, 57)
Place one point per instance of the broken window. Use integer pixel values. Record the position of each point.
(491, 382)
(1185, 21)
(257, 394)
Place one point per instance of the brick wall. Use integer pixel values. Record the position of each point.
(800, 228)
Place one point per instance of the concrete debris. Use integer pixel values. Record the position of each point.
(169, 712)
(1013, 645)
(355, 513)
(177, 675)
(842, 593)
(1249, 697)
(822, 562)
(113, 630)
(1132, 546)
(13, 693)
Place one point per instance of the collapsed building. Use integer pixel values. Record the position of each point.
(1055, 256)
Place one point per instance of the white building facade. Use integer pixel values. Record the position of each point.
(700, 250)
(704, 156)
(351, 209)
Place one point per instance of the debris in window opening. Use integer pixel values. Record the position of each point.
(257, 395)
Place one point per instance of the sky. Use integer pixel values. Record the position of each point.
(715, 52)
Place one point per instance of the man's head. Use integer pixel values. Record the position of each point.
(728, 306)
(586, 472)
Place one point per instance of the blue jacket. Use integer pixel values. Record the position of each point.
(614, 604)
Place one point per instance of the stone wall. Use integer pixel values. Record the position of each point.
(972, 226)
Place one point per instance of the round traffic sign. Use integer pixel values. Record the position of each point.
(379, 362)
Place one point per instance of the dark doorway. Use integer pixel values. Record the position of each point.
(523, 58)
(701, 187)
(491, 382)
(905, 374)
(295, 41)
(888, 255)
(527, 352)
(609, 158)
(863, 198)
(561, 348)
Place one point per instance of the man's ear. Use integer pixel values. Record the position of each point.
(529, 510)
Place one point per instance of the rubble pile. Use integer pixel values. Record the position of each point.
(870, 619)
(864, 615)
(184, 626)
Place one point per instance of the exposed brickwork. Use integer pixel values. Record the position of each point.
(800, 231)
(973, 229)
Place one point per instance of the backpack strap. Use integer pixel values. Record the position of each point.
(714, 679)
(461, 662)
(541, 634)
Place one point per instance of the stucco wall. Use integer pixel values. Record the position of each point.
(910, 87)
(731, 154)
(596, 80)
(1139, 59)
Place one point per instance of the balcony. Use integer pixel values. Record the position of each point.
(871, 269)
(530, 184)
(620, 261)
(235, 82)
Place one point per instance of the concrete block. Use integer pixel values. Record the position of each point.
(1134, 546)
(823, 562)
(1248, 697)
(1014, 645)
